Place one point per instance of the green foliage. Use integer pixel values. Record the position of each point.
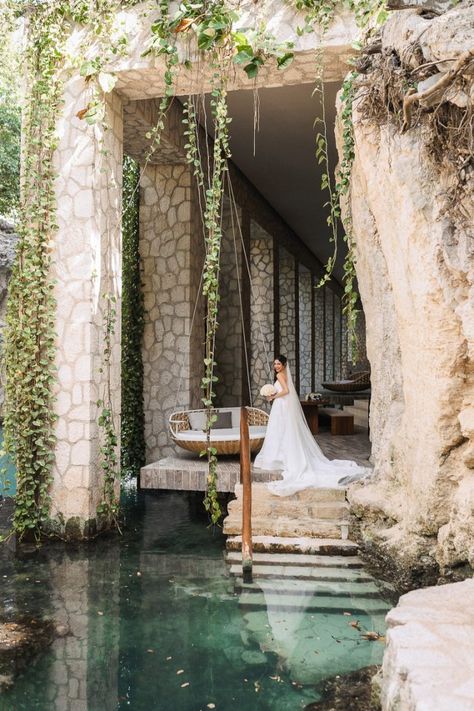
(108, 507)
(132, 421)
(29, 349)
(10, 119)
(212, 24)
(369, 14)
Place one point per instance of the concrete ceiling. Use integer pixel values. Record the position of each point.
(284, 168)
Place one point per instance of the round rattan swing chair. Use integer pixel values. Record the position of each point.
(187, 427)
(186, 431)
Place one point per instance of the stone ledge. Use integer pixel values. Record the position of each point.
(429, 659)
(186, 474)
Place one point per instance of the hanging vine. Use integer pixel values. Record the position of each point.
(369, 14)
(29, 350)
(132, 420)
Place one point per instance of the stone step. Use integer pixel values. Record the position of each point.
(304, 587)
(321, 561)
(301, 572)
(276, 506)
(308, 496)
(369, 605)
(302, 545)
(289, 527)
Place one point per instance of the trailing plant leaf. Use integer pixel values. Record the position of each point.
(132, 421)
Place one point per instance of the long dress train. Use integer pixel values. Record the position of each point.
(290, 447)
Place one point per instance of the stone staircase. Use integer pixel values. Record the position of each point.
(309, 521)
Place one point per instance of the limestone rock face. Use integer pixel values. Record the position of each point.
(429, 658)
(415, 268)
(8, 241)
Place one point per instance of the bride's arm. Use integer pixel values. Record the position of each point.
(281, 377)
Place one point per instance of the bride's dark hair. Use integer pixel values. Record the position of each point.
(283, 360)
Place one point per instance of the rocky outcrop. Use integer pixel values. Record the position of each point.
(8, 241)
(429, 657)
(415, 267)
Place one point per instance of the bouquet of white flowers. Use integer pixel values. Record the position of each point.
(267, 390)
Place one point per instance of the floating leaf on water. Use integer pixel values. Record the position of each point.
(186, 683)
(373, 636)
(168, 658)
(211, 706)
(180, 671)
(138, 573)
(355, 625)
(349, 614)
(99, 612)
(150, 651)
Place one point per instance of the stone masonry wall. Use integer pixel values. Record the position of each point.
(305, 289)
(261, 308)
(86, 267)
(287, 309)
(229, 333)
(165, 249)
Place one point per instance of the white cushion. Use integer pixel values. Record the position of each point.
(197, 420)
(232, 435)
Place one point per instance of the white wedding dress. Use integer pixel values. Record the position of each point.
(290, 448)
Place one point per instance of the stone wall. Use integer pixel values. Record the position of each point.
(229, 341)
(305, 295)
(415, 272)
(287, 309)
(261, 308)
(165, 250)
(86, 271)
(319, 338)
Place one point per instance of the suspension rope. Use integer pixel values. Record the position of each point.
(252, 291)
(247, 364)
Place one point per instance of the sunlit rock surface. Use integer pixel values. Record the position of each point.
(415, 270)
(429, 658)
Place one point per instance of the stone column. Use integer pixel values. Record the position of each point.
(229, 341)
(305, 330)
(87, 266)
(319, 338)
(171, 252)
(287, 308)
(261, 309)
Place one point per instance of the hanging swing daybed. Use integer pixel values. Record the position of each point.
(187, 429)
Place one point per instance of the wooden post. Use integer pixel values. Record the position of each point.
(245, 479)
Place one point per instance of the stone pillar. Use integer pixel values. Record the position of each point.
(86, 267)
(305, 329)
(319, 338)
(329, 338)
(172, 262)
(261, 309)
(229, 342)
(287, 308)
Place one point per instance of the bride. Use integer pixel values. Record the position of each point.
(290, 447)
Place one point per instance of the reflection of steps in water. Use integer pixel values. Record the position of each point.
(311, 611)
(192, 566)
(317, 513)
(300, 545)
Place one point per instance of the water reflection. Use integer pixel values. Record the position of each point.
(153, 620)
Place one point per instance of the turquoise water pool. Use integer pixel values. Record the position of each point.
(155, 621)
(7, 472)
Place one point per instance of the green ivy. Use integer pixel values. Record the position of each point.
(30, 347)
(132, 421)
(109, 505)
